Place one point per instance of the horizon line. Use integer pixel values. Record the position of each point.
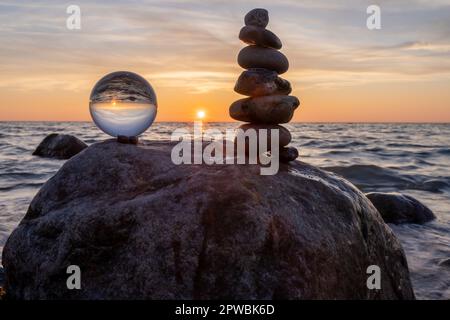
(237, 122)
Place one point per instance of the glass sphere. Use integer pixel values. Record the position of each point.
(123, 104)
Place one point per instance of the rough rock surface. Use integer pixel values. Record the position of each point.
(60, 146)
(141, 227)
(266, 109)
(400, 208)
(261, 82)
(260, 37)
(267, 58)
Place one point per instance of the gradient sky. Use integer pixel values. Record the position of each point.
(187, 49)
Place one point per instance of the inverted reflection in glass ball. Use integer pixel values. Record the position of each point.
(123, 104)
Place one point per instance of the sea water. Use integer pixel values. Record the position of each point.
(410, 158)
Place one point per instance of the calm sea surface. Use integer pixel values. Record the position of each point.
(409, 158)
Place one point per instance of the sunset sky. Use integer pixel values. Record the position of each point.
(187, 49)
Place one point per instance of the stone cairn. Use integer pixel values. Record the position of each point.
(270, 103)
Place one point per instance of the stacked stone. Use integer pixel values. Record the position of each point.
(269, 104)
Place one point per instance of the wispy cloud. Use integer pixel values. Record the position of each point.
(193, 44)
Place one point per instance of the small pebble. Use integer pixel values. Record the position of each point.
(259, 57)
(257, 17)
(288, 154)
(260, 37)
(267, 109)
(261, 82)
(284, 136)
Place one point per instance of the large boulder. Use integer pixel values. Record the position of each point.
(140, 227)
(59, 146)
(399, 208)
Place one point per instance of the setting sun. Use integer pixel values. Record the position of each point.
(201, 114)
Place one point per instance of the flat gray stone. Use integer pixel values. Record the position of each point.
(258, 57)
(261, 82)
(260, 37)
(266, 109)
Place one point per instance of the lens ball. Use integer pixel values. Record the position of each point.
(123, 104)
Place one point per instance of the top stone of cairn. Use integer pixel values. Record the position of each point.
(257, 17)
